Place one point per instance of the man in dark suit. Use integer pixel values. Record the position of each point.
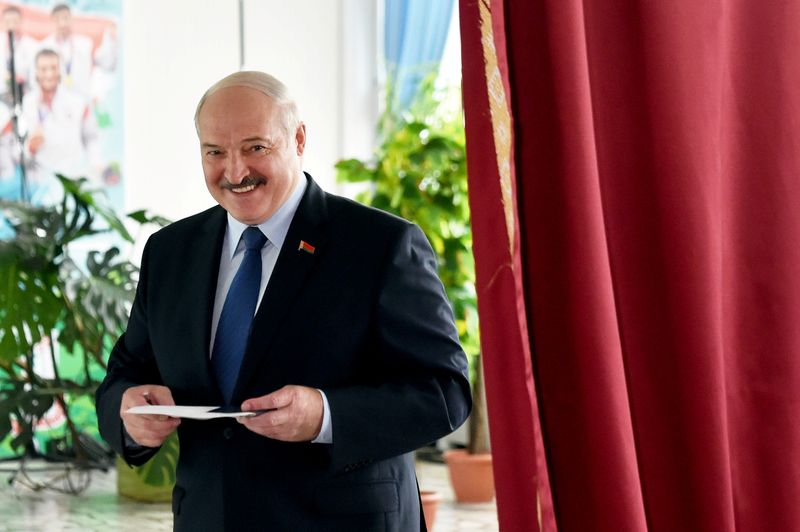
(352, 346)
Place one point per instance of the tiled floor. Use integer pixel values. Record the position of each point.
(100, 509)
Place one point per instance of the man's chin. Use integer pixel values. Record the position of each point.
(249, 215)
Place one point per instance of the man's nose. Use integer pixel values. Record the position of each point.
(235, 169)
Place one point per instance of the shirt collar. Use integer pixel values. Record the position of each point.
(274, 228)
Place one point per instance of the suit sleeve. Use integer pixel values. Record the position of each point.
(422, 392)
(131, 363)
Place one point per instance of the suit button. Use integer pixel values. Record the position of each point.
(227, 433)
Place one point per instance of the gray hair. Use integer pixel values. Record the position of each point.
(264, 83)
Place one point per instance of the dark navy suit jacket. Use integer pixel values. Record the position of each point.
(364, 318)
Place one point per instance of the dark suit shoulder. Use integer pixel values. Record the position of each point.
(185, 228)
(363, 217)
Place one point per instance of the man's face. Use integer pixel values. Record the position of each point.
(48, 73)
(250, 163)
(63, 22)
(11, 20)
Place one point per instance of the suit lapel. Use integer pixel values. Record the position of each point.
(204, 259)
(293, 267)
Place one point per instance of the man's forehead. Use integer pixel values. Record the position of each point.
(239, 103)
(47, 61)
(237, 128)
(238, 120)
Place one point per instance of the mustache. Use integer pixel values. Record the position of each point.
(246, 182)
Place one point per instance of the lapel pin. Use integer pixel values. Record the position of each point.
(305, 246)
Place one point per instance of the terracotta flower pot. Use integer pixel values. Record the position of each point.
(471, 475)
(430, 503)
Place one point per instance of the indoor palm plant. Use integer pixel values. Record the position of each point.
(419, 173)
(65, 304)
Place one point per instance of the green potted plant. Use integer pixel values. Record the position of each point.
(419, 173)
(73, 308)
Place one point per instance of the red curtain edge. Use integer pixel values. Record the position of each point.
(524, 500)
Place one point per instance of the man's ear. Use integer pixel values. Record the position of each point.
(300, 138)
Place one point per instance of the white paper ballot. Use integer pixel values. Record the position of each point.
(193, 412)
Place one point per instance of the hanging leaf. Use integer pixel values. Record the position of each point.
(90, 199)
(143, 217)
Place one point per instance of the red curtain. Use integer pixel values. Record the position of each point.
(634, 177)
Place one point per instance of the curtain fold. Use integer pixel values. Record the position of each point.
(656, 184)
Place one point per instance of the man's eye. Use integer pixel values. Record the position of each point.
(259, 147)
(213, 153)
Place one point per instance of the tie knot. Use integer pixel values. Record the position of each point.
(253, 238)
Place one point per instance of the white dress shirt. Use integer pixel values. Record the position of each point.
(275, 229)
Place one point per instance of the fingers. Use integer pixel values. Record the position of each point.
(277, 399)
(159, 395)
(146, 395)
(151, 433)
(148, 430)
(298, 414)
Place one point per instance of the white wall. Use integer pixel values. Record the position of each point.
(324, 50)
(298, 42)
(173, 51)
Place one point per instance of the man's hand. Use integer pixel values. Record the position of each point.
(297, 415)
(148, 430)
(35, 141)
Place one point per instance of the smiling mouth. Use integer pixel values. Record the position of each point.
(247, 184)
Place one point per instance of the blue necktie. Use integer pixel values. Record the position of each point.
(233, 329)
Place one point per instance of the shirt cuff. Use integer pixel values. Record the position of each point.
(326, 432)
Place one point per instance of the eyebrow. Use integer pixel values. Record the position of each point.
(259, 139)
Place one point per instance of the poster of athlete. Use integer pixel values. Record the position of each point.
(63, 83)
